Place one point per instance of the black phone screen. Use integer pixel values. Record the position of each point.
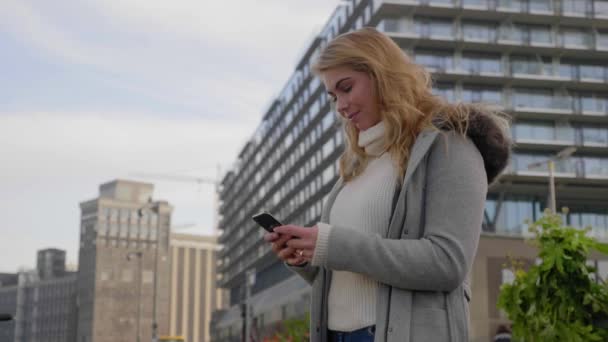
(266, 221)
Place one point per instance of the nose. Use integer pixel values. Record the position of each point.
(342, 105)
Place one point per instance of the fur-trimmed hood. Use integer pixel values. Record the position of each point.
(492, 138)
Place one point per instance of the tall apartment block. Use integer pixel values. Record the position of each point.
(545, 62)
(194, 294)
(43, 307)
(124, 266)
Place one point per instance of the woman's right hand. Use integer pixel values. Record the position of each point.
(284, 252)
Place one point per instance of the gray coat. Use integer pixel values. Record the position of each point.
(423, 258)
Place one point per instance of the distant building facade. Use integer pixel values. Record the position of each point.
(124, 250)
(44, 308)
(51, 263)
(194, 295)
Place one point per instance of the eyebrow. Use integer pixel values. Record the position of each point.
(338, 84)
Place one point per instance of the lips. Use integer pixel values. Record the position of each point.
(352, 115)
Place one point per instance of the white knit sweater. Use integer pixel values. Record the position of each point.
(363, 204)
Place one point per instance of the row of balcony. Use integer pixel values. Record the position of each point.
(541, 36)
(596, 9)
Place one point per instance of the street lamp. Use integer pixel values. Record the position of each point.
(561, 155)
(249, 283)
(130, 256)
(155, 209)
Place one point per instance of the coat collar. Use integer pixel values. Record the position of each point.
(423, 143)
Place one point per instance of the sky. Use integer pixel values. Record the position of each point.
(97, 90)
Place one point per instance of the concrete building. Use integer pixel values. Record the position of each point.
(124, 258)
(543, 61)
(44, 309)
(51, 263)
(194, 295)
(8, 305)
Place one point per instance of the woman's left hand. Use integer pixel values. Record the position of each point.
(304, 239)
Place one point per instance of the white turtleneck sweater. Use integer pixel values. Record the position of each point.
(363, 204)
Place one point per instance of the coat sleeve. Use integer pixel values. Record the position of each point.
(306, 271)
(439, 261)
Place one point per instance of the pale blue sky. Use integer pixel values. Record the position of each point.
(96, 90)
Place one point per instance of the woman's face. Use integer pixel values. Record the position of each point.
(354, 96)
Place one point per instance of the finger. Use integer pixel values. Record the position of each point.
(279, 245)
(295, 261)
(282, 240)
(286, 253)
(291, 230)
(271, 237)
(307, 254)
(301, 243)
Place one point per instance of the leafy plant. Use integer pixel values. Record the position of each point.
(557, 300)
(295, 329)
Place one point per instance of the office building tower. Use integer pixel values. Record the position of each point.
(123, 273)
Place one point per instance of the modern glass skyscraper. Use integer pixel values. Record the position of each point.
(545, 62)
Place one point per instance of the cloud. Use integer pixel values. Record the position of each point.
(53, 161)
(189, 52)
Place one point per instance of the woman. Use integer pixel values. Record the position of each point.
(399, 231)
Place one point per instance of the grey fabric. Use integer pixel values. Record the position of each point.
(423, 259)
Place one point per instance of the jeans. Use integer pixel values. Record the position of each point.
(362, 335)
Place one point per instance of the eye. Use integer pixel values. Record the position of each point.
(333, 98)
(347, 89)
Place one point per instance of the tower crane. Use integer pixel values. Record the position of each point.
(191, 179)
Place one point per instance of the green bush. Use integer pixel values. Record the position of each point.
(557, 300)
(295, 329)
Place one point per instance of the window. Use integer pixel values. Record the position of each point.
(574, 6)
(592, 72)
(482, 63)
(596, 166)
(575, 38)
(479, 31)
(531, 65)
(445, 91)
(595, 135)
(434, 27)
(513, 214)
(475, 3)
(534, 130)
(540, 5)
(510, 4)
(594, 103)
(436, 59)
(328, 120)
(535, 98)
(600, 8)
(390, 25)
(567, 70)
(484, 95)
(328, 148)
(602, 40)
(540, 34)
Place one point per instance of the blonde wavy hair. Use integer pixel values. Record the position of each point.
(403, 93)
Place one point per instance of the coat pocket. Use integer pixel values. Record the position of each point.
(429, 324)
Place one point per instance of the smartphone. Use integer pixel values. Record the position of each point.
(266, 221)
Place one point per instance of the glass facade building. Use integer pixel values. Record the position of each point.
(545, 62)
